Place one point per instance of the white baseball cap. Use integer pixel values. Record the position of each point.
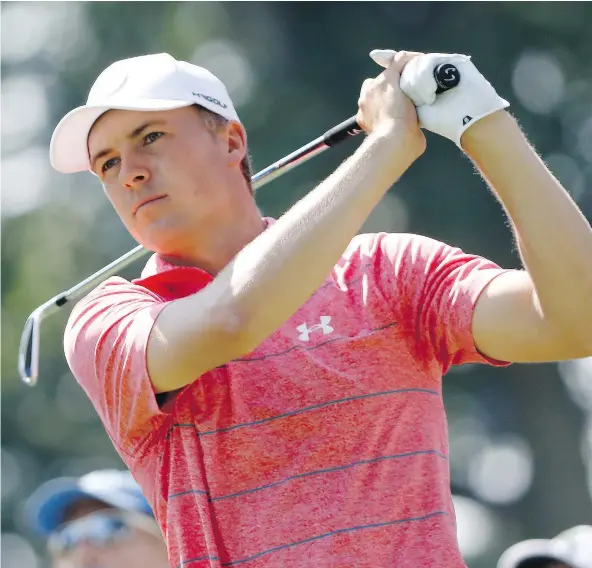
(145, 83)
(572, 547)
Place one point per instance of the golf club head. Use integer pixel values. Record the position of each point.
(28, 355)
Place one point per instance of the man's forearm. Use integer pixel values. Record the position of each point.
(277, 272)
(553, 236)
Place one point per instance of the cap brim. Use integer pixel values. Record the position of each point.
(68, 149)
(529, 550)
(46, 508)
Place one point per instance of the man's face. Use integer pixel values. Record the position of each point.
(171, 177)
(89, 545)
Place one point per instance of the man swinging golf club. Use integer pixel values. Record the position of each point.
(275, 386)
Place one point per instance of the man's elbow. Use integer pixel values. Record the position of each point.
(236, 332)
(181, 348)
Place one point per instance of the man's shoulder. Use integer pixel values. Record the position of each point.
(112, 294)
(116, 306)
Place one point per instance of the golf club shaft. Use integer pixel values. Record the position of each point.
(340, 132)
(446, 76)
(28, 358)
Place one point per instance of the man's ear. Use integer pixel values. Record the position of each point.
(237, 142)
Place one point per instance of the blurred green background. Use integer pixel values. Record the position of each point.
(521, 437)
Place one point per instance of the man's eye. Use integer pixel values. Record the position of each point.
(151, 137)
(109, 164)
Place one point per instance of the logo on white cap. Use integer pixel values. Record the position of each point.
(210, 99)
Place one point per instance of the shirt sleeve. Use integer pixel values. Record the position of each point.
(433, 289)
(105, 345)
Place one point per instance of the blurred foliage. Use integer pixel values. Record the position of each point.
(294, 70)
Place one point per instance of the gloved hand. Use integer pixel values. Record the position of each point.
(452, 112)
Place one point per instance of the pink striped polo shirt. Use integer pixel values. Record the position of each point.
(324, 447)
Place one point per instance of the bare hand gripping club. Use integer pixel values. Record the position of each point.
(447, 77)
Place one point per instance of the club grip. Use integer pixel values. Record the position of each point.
(447, 77)
(342, 131)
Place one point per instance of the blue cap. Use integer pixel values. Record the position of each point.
(46, 508)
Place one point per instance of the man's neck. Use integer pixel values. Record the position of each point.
(221, 248)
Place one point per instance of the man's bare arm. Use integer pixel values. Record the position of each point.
(279, 270)
(545, 312)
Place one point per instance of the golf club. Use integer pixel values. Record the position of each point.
(447, 77)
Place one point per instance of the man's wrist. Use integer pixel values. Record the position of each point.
(488, 132)
(400, 140)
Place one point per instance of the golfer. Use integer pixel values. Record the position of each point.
(275, 386)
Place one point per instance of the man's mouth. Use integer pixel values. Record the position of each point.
(148, 201)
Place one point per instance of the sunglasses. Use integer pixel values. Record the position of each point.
(100, 529)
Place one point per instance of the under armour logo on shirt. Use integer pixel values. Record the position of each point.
(324, 326)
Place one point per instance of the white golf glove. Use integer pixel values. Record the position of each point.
(452, 112)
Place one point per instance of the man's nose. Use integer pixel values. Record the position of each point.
(133, 175)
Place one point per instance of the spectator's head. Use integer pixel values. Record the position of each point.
(100, 520)
(569, 549)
